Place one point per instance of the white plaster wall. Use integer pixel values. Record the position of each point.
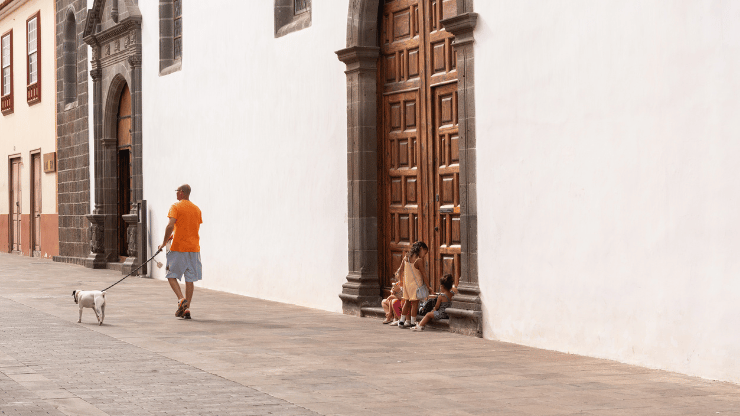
(257, 126)
(607, 179)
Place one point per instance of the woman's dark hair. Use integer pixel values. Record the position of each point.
(416, 248)
(447, 281)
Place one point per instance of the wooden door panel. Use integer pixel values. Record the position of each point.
(15, 205)
(447, 183)
(418, 140)
(401, 59)
(400, 141)
(36, 195)
(442, 59)
(123, 136)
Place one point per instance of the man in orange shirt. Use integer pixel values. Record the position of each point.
(184, 255)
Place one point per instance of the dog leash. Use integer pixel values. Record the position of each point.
(132, 271)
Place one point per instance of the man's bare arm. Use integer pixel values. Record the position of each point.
(168, 232)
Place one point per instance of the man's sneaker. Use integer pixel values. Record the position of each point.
(182, 306)
(186, 315)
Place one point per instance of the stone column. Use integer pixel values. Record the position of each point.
(466, 312)
(137, 182)
(97, 257)
(132, 236)
(362, 287)
(109, 195)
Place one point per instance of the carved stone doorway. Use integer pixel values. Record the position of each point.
(362, 289)
(113, 31)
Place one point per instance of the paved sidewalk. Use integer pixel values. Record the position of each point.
(244, 356)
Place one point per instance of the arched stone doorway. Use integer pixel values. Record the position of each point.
(369, 210)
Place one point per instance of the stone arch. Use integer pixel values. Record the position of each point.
(110, 111)
(361, 291)
(69, 57)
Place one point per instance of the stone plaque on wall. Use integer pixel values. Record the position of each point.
(50, 162)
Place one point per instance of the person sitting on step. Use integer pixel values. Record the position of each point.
(392, 304)
(444, 301)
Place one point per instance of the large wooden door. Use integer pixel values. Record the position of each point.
(36, 205)
(15, 205)
(419, 178)
(124, 167)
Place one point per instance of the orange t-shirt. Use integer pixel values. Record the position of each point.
(186, 227)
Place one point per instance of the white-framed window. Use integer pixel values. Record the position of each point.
(5, 62)
(33, 47)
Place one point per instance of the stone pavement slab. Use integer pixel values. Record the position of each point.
(243, 356)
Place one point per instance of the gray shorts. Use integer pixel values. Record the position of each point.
(184, 263)
(440, 315)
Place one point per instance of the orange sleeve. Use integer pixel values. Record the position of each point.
(173, 212)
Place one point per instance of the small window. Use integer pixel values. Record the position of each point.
(291, 16)
(301, 6)
(69, 61)
(170, 36)
(178, 28)
(33, 59)
(6, 64)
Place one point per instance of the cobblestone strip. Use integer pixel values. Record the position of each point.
(115, 377)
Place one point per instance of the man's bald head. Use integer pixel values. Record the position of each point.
(185, 189)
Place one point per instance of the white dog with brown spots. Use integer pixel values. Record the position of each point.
(94, 299)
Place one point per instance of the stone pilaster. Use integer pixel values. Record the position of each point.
(132, 237)
(466, 311)
(97, 258)
(362, 287)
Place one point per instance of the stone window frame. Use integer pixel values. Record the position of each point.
(69, 59)
(168, 62)
(7, 99)
(287, 20)
(33, 89)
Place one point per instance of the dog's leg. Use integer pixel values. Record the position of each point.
(97, 312)
(80, 320)
(102, 313)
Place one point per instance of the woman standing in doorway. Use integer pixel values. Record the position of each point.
(414, 277)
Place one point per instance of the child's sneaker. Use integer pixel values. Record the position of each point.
(401, 324)
(182, 306)
(408, 324)
(417, 328)
(395, 323)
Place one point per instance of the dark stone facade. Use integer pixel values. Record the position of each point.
(361, 57)
(73, 156)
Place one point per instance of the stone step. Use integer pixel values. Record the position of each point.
(378, 312)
